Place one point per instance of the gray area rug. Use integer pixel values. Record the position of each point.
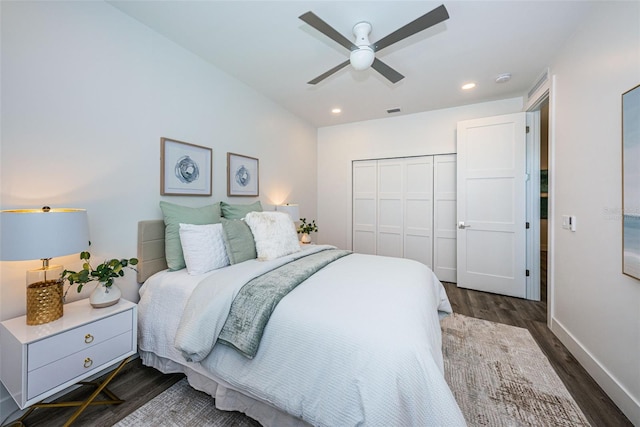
(498, 375)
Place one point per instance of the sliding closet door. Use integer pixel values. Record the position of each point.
(444, 213)
(390, 207)
(365, 206)
(418, 209)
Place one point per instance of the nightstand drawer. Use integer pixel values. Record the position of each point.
(80, 363)
(56, 347)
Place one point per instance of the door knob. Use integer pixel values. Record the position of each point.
(462, 226)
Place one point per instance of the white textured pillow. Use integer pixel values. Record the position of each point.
(203, 247)
(274, 234)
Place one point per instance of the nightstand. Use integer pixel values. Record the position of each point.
(39, 361)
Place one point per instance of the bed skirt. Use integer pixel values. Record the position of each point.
(226, 398)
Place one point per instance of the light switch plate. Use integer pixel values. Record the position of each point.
(569, 222)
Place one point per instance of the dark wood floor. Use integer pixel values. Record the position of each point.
(138, 384)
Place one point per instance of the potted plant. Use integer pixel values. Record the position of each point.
(106, 292)
(305, 229)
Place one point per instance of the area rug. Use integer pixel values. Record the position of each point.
(498, 375)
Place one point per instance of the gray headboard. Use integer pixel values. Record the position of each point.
(151, 257)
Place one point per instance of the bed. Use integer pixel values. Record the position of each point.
(357, 342)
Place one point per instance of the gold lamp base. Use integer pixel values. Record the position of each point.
(44, 294)
(44, 302)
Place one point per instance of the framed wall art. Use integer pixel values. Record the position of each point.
(242, 176)
(631, 182)
(185, 169)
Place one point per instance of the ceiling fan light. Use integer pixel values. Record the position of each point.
(362, 58)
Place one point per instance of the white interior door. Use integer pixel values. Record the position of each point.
(418, 209)
(491, 205)
(365, 206)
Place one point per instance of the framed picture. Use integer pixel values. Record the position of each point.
(242, 175)
(185, 169)
(631, 182)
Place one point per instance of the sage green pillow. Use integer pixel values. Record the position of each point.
(238, 240)
(176, 214)
(230, 211)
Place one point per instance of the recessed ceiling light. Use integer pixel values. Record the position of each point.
(468, 86)
(336, 110)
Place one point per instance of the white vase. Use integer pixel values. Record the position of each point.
(305, 238)
(103, 296)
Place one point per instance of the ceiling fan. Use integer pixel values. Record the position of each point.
(362, 51)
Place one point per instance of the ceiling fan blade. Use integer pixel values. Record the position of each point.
(389, 73)
(326, 29)
(427, 20)
(328, 73)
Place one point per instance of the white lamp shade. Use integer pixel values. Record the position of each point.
(28, 234)
(292, 210)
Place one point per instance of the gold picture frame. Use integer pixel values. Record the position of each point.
(631, 182)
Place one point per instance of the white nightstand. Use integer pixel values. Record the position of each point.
(39, 361)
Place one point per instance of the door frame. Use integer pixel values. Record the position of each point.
(533, 204)
(544, 92)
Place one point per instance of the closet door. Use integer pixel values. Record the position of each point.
(418, 209)
(406, 208)
(444, 213)
(365, 206)
(390, 208)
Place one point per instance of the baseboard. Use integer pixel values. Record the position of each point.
(616, 391)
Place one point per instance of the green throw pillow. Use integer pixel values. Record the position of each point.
(176, 214)
(230, 211)
(238, 240)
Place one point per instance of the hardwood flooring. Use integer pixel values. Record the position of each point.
(137, 384)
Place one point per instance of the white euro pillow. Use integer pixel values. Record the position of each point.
(203, 247)
(274, 234)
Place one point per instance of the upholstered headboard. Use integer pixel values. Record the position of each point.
(151, 258)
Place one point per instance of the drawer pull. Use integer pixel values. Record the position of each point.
(88, 338)
(88, 362)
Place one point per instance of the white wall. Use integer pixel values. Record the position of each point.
(87, 93)
(596, 310)
(432, 132)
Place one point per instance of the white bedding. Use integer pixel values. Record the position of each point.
(358, 343)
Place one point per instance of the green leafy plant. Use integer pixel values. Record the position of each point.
(104, 273)
(307, 227)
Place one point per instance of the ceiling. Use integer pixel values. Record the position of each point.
(266, 46)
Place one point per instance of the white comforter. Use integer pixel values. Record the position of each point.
(358, 343)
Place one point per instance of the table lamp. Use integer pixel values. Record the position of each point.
(28, 234)
(292, 210)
